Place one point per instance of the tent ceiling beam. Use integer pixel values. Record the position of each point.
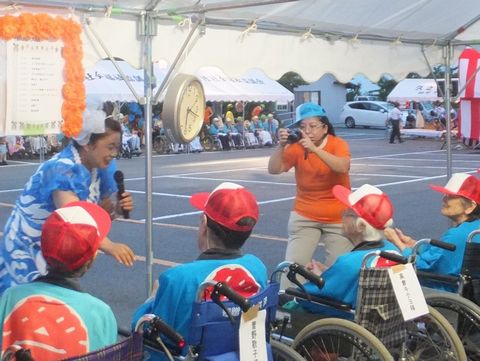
(77, 7)
(152, 5)
(228, 5)
(331, 36)
(464, 27)
(114, 62)
(177, 59)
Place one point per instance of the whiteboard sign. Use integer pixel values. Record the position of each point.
(408, 291)
(34, 81)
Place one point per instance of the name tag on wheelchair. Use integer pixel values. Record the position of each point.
(253, 346)
(408, 291)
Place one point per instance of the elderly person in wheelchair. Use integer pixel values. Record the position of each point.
(230, 212)
(370, 211)
(460, 204)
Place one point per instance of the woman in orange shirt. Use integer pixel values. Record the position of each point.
(321, 161)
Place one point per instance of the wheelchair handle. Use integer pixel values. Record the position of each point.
(472, 234)
(157, 326)
(444, 245)
(302, 271)
(433, 242)
(394, 257)
(224, 289)
(385, 254)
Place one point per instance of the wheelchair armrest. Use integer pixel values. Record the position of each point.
(321, 300)
(437, 277)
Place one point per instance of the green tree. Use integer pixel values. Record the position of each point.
(352, 91)
(413, 75)
(386, 85)
(291, 80)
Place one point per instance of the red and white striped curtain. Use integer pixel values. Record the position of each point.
(469, 115)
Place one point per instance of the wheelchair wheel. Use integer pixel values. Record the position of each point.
(160, 146)
(282, 352)
(463, 315)
(336, 339)
(208, 143)
(431, 337)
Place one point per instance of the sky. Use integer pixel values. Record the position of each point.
(366, 84)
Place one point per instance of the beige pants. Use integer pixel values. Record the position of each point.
(304, 235)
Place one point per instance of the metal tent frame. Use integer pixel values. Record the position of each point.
(147, 18)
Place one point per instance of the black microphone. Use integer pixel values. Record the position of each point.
(305, 154)
(118, 176)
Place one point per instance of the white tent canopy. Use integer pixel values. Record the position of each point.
(312, 37)
(253, 86)
(414, 89)
(104, 83)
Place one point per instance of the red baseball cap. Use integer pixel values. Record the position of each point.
(227, 204)
(461, 184)
(367, 202)
(71, 235)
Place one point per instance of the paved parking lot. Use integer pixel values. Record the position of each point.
(402, 170)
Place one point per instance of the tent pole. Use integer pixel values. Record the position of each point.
(448, 53)
(147, 30)
(112, 59)
(446, 96)
(177, 58)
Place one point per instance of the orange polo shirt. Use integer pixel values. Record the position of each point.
(315, 180)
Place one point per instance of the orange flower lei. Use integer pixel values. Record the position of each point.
(44, 27)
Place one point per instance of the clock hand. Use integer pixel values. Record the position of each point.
(191, 111)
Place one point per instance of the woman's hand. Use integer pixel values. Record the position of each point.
(125, 203)
(307, 143)
(121, 252)
(396, 236)
(282, 136)
(109, 206)
(315, 267)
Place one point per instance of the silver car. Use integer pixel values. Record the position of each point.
(367, 114)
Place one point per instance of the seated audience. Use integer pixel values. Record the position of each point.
(128, 137)
(229, 214)
(218, 129)
(460, 204)
(52, 316)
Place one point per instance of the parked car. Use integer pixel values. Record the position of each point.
(367, 114)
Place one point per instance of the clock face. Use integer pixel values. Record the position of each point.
(191, 110)
(184, 108)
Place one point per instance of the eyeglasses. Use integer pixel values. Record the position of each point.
(312, 127)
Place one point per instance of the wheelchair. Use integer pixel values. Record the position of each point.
(214, 332)
(375, 330)
(458, 308)
(126, 151)
(214, 328)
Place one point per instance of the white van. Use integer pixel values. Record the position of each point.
(365, 98)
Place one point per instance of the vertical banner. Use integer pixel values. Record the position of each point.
(34, 87)
(3, 85)
(469, 116)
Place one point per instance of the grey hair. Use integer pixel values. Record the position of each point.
(370, 233)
